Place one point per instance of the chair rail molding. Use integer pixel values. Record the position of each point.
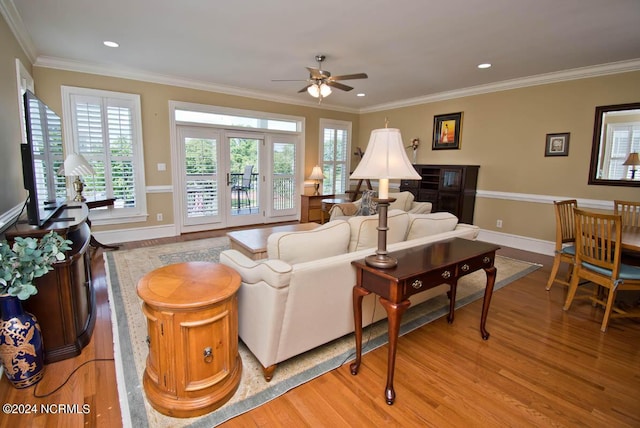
(543, 199)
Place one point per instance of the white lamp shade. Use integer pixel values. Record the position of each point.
(385, 157)
(316, 173)
(314, 90)
(325, 90)
(76, 164)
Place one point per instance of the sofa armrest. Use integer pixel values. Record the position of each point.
(472, 230)
(345, 209)
(421, 207)
(275, 273)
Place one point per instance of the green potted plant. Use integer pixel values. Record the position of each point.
(21, 348)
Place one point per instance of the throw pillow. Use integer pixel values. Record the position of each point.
(367, 205)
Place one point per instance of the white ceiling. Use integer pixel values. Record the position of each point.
(411, 49)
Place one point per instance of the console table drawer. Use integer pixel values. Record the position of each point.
(428, 280)
(481, 262)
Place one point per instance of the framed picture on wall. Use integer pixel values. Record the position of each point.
(557, 144)
(446, 131)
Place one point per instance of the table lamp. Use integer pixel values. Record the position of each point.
(385, 158)
(632, 160)
(317, 175)
(76, 165)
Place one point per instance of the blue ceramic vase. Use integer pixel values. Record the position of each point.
(21, 348)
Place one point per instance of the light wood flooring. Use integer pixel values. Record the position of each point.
(540, 367)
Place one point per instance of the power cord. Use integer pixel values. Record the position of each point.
(366, 343)
(35, 394)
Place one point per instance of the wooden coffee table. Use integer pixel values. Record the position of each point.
(253, 242)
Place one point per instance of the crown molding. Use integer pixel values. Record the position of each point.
(14, 21)
(541, 79)
(106, 70)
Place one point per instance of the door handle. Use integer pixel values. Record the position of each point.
(228, 179)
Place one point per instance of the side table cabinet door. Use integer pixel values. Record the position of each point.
(206, 343)
(154, 343)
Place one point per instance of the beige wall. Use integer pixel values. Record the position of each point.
(155, 122)
(13, 193)
(504, 132)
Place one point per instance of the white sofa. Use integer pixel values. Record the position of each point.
(300, 297)
(403, 201)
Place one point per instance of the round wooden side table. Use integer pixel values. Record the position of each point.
(193, 366)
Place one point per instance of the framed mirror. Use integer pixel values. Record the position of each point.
(616, 143)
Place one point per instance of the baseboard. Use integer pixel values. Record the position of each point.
(135, 234)
(520, 242)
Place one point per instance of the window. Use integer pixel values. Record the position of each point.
(105, 127)
(335, 145)
(622, 139)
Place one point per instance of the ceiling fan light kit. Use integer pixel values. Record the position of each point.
(321, 82)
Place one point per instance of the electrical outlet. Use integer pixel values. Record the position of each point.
(159, 217)
(499, 224)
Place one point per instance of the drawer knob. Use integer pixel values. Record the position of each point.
(417, 284)
(446, 274)
(465, 267)
(208, 354)
(486, 259)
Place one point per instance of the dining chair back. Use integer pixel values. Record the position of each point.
(629, 210)
(597, 260)
(565, 238)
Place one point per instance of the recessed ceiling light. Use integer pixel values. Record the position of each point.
(110, 44)
(360, 94)
(484, 65)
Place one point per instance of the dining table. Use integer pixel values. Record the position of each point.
(631, 238)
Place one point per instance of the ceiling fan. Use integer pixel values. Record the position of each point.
(321, 81)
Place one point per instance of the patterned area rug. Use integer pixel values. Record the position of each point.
(126, 267)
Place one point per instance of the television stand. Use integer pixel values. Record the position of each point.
(65, 303)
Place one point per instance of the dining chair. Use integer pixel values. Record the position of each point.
(565, 238)
(629, 210)
(598, 260)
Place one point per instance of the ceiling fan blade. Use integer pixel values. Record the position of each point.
(304, 89)
(315, 73)
(350, 76)
(339, 85)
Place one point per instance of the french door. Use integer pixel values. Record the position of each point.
(234, 178)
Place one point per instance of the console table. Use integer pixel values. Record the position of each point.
(65, 303)
(419, 269)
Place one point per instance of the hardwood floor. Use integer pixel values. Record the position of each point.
(540, 367)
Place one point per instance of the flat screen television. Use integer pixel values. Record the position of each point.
(42, 156)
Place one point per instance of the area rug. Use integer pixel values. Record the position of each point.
(126, 267)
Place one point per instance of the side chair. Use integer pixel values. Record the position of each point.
(565, 238)
(598, 261)
(629, 210)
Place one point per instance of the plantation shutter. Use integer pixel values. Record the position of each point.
(104, 128)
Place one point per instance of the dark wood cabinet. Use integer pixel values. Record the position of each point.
(65, 303)
(450, 188)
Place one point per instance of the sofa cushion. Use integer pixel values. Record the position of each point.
(364, 232)
(367, 206)
(403, 201)
(327, 240)
(429, 224)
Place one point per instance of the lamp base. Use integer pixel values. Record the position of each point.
(381, 261)
(78, 186)
(316, 186)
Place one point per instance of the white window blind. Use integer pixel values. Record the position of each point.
(106, 130)
(335, 143)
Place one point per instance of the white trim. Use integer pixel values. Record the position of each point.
(165, 188)
(135, 234)
(543, 199)
(516, 241)
(8, 217)
(19, 30)
(540, 79)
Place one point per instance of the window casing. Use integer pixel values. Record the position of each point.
(335, 146)
(622, 139)
(105, 127)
